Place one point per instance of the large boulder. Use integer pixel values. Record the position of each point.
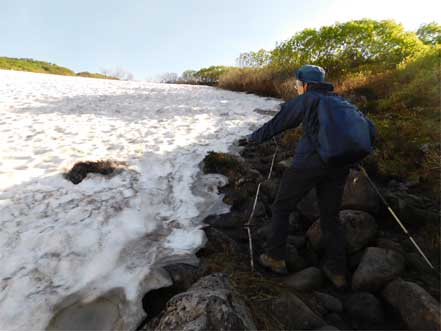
(377, 267)
(306, 280)
(210, 304)
(365, 310)
(417, 308)
(359, 194)
(294, 313)
(411, 208)
(360, 229)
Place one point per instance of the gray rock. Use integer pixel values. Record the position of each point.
(359, 194)
(294, 313)
(183, 275)
(377, 267)
(390, 244)
(329, 302)
(417, 308)
(411, 208)
(360, 229)
(306, 280)
(209, 304)
(365, 310)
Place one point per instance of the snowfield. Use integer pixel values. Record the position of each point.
(69, 252)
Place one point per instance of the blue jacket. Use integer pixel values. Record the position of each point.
(292, 113)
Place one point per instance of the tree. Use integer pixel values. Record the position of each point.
(169, 78)
(254, 59)
(118, 72)
(189, 76)
(348, 47)
(430, 33)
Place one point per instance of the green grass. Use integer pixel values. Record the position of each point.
(30, 65)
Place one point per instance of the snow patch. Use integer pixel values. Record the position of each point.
(65, 248)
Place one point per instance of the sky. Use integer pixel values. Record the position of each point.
(149, 38)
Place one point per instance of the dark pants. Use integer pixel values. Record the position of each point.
(294, 185)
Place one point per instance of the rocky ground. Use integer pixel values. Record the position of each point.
(391, 286)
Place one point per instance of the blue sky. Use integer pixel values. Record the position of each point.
(152, 37)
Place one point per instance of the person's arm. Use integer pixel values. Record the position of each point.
(289, 116)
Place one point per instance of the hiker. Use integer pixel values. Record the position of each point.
(311, 169)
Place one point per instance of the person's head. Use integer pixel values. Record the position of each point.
(307, 75)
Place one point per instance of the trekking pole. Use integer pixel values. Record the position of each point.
(248, 224)
(398, 220)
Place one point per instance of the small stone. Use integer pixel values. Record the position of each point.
(306, 280)
(418, 309)
(377, 267)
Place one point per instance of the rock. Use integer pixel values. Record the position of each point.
(210, 304)
(390, 244)
(417, 308)
(377, 267)
(306, 280)
(359, 194)
(330, 303)
(217, 241)
(294, 313)
(411, 208)
(183, 275)
(360, 229)
(224, 221)
(365, 310)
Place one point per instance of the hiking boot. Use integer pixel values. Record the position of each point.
(277, 266)
(337, 278)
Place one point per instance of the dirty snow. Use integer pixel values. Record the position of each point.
(62, 244)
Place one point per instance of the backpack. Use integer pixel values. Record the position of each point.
(345, 135)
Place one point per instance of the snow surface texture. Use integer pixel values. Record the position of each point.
(82, 256)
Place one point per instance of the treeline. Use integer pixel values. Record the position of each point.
(205, 76)
(31, 65)
(390, 73)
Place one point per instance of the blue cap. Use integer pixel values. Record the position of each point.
(309, 73)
